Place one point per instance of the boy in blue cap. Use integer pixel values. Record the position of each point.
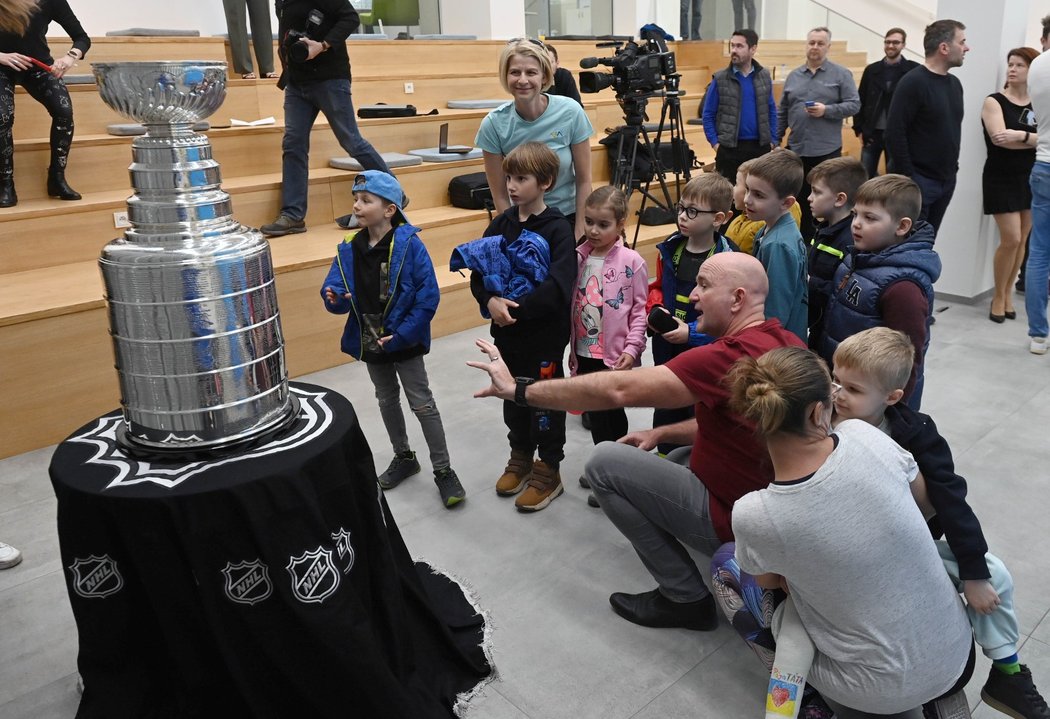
(382, 277)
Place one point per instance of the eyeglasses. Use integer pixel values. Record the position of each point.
(692, 212)
(892, 42)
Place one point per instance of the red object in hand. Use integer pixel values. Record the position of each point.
(41, 65)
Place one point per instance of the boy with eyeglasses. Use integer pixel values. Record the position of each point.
(773, 182)
(705, 205)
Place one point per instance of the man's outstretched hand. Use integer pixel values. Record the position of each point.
(502, 380)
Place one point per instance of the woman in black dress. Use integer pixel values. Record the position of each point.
(1009, 133)
(21, 56)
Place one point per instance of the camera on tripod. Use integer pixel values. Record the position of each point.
(636, 69)
(295, 49)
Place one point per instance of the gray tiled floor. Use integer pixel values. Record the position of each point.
(545, 578)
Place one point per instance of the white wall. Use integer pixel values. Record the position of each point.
(968, 238)
(488, 19)
(101, 16)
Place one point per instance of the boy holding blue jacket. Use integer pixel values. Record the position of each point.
(383, 279)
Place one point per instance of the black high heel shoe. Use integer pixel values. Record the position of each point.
(58, 187)
(998, 319)
(1010, 314)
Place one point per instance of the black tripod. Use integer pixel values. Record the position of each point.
(633, 135)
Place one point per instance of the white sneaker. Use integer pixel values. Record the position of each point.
(9, 556)
(1038, 346)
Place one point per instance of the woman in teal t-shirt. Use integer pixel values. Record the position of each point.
(559, 122)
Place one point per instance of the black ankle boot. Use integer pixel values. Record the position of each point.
(58, 187)
(8, 198)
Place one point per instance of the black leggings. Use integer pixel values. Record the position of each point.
(607, 425)
(50, 92)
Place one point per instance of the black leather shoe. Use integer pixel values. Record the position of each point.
(58, 187)
(653, 609)
(999, 319)
(1010, 314)
(8, 197)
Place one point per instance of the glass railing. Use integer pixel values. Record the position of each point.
(555, 18)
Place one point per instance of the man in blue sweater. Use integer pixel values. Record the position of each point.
(740, 115)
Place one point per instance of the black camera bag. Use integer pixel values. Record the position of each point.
(383, 110)
(676, 157)
(470, 192)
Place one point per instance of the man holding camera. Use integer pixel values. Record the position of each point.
(315, 77)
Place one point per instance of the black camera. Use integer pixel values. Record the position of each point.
(294, 48)
(636, 69)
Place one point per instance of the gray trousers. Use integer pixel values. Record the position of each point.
(659, 505)
(262, 34)
(413, 375)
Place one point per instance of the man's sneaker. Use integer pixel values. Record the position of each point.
(452, 492)
(514, 477)
(402, 466)
(1038, 346)
(348, 222)
(283, 225)
(543, 486)
(1014, 695)
(9, 556)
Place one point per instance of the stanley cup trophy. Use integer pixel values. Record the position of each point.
(191, 296)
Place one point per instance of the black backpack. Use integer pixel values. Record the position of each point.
(471, 192)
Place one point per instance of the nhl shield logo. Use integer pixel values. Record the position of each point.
(314, 575)
(96, 577)
(344, 548)
(247, 582)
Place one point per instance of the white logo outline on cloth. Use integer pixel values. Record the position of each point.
(314, 412)
(247, 582)
(96, 577)
(314, 575)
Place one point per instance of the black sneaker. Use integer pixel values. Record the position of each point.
(348, 222)
(283, 225)
(452, 492)
(402, 466)
(1014, 695)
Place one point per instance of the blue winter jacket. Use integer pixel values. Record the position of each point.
(414, 293)
(509, 270)
(668, 280)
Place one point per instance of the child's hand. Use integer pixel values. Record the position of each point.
(624, 361)
(499, 310)
(381, 341)
(331, 297)
(679, 335)
(980, 595)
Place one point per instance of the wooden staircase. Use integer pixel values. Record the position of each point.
(56, 361)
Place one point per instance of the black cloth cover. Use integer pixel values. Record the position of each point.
(269, 583)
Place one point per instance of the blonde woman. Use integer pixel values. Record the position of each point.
(839, 529)
(526, 72)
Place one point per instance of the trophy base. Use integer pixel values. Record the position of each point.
(163, 452)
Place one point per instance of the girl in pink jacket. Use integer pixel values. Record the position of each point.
(608, 310)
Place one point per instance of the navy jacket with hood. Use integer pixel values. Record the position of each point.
(414, 293)
(862, 278)
(917, 433)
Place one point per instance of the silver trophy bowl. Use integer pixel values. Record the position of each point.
(192, 303)
(163, 92)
